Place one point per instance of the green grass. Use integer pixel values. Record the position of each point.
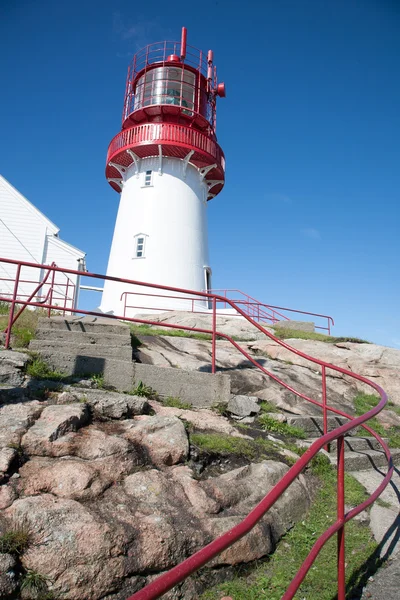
(270, 579)
(226, 445)
(24, 329)
(36, 584)
(15, 540)
(98, 380)
(176, 402)
(283, 334)
(39, 369)
(362, 404)
(143, 390)
(274, 426)
(4, 308)
(268, 407)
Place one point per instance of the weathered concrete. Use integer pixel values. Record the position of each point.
(84, 324)
(358, 444)
(117, 352)
(201, 390)
(81, 346)
(87, 337)
(385, 585)
(372, 479)
(366, 459)
(313, 426)
(117, 373)
(385, 526)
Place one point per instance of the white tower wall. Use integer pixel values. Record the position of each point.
(170, 214)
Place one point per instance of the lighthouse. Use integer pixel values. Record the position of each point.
(166, 165)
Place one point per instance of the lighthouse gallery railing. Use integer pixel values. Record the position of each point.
(180, 572)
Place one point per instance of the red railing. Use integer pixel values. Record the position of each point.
(271, 314)
(180, 572)
(160, 133)
(53, 294)
(186, 303)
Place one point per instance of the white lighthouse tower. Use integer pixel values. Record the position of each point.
(166, 164)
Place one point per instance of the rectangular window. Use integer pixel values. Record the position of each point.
(139, 251)
(148, 178)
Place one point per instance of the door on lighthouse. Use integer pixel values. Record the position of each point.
(207, 273)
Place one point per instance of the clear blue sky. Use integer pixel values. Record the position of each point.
(309, 216)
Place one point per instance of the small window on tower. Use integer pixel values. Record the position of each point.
(139, 247)
(148, 178)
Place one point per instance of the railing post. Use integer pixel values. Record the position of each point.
(11, 315)
(324, 406)
(51, 293)
(214, 329)
(66, 297)
(341, 566)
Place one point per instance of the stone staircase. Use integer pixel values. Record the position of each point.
(361, 452)
(80, 346)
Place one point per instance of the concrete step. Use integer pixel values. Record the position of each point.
(314, 426)
(354, 444)
(88, 324)
(92, 337)
(367, 459)
(117, 372)
(200, 389)
(81, 349)
(358, 444)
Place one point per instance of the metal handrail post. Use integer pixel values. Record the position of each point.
(51, 293)
(11, 315)
(66, 297)
(324, 404)
(341, 565)
(214, 329)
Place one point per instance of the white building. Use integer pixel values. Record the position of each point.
(28, 235)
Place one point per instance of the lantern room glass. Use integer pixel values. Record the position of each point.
(167, 85)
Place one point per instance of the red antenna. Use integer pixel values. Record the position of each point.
(183, 43)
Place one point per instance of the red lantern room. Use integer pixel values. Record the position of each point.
(170, 110)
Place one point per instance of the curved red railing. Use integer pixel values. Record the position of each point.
(180, 572)
(258, 310)
(166, 133)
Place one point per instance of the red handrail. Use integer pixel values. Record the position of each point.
(49, 294)
(259, 314)
(33, 294)
(177, 574)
